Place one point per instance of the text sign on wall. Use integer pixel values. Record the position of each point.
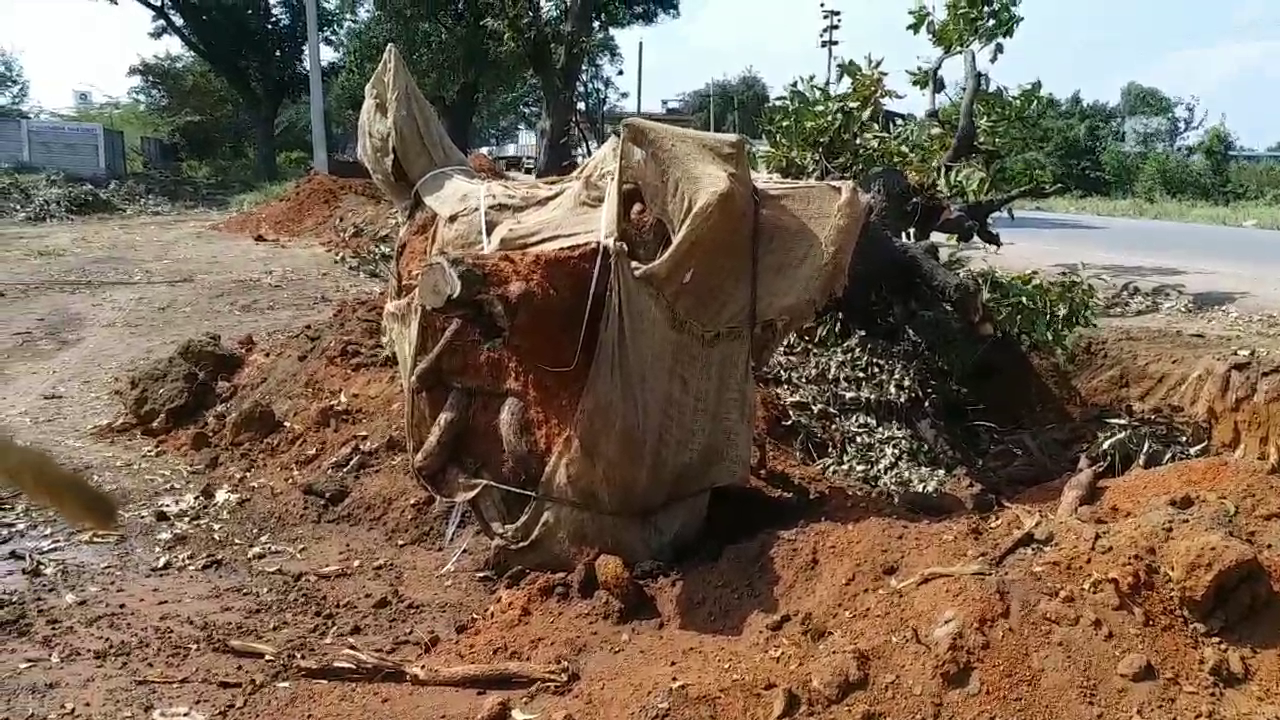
(76, 128)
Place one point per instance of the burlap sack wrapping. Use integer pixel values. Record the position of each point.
(668, 408)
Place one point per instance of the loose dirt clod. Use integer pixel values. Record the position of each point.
(495, 708)
(175, 390)
(1135, 667)
(1219, 579)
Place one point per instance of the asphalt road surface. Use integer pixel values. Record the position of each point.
(1217, 265)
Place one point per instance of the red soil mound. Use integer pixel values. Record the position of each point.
(342, 213)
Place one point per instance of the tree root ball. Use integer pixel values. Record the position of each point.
(543, 298)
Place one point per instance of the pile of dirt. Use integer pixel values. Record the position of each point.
(343, 214)
(316, 419)
(176, 390)
(346, 214)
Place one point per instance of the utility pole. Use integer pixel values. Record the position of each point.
(831, 17)
(639, 74)
(319, 144)
(712, 121)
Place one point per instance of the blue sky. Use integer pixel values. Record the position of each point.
(1229, 56)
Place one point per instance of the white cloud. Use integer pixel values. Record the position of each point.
(1200, 70)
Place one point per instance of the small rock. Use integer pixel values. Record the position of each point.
(495, 708)
(839, 676)
(562, 715)
(785, 703)
(331, 490)
(1227, 668)
(1135, 667)
(777, 622)
(381, 602)
(159, 515)
(254, 421)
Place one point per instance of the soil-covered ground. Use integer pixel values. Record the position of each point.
(272, 528)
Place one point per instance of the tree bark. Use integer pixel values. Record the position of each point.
(264, 146)
(460, 114)
(554, 149)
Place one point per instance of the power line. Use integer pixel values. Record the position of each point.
(831, 17)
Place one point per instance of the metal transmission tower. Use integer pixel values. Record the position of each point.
(832, 19)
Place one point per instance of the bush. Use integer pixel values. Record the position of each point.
(1043, 312)
(1172, 175)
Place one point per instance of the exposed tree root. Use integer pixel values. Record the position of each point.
(354, 665)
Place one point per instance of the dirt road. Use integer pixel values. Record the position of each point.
(82, 301)
(314, 541)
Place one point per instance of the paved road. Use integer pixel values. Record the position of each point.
(1217, 264)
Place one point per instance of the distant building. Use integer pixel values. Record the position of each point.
(1255, 156)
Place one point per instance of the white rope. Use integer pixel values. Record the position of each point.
(484, 222)
(595, 277)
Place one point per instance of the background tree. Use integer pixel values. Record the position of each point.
(257, 48)
(457, 56)
(555, 41)
(1155, 119)
(193, 106)
(14, 88)
(739, 101)
(598, 90)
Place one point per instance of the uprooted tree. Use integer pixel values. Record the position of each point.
(935, 174)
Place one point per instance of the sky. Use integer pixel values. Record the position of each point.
(1226, 56)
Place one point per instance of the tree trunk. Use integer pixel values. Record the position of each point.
(264, 146)
(554, 149)
(459, 115)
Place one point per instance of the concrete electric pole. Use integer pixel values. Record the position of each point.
(319, 144)
(832, 19)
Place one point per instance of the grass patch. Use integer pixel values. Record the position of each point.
(260, 195)
(1241, 214)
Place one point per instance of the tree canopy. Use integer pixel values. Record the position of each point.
(258, 49)
(740, 102)
(14, 88)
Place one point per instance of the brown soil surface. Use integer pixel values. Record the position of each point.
(287, 517)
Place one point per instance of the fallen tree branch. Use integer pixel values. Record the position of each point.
(932, 573)
(355, 665)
